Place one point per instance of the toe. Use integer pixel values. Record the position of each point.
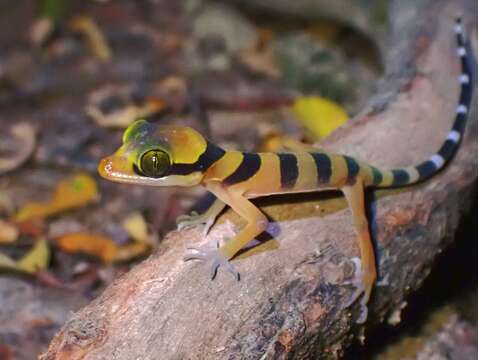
(195, 254)
(231, 269)
(217, 260)
(192, 257)
(214, 267)
(184, 221)
(358, 291)
(363, 311)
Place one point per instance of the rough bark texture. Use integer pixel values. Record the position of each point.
(290, 302)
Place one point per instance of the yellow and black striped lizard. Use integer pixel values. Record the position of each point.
(179, 156)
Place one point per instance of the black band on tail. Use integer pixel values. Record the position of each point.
(445, 153)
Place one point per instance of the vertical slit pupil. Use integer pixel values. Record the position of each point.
(155, 163)
(154, 159)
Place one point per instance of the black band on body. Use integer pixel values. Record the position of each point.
(212, 154)
(249, 166)
(324, 167)
(353, 169)
(289, 171)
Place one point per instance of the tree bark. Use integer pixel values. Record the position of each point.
(290, 302)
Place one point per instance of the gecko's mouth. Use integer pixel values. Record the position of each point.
(117, 168)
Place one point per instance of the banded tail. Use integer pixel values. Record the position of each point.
(414, 174)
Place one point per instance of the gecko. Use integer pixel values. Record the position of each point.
(162, 155)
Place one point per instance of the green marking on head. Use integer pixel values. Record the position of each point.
(146, 151)
(138, 129)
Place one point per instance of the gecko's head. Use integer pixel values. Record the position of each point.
(157, 156)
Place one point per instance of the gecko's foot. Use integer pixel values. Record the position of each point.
(194, 219)
(215, 258)
(363, 310)
(361, 291)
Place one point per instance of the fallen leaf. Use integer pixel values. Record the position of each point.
(8, 232)
(22, 145)
(36, 259)
(275, 142)
(319, 116)
(100, 246)
(136, 227)
(41, 30)
(118, 107)
(73, 192)
(130, 251)
(260, 58)
(6, 203)
(7, 262)
(173, 85)
(123, 117)
(95, 38)
(260, 62)
(91, 244)
(271, 142)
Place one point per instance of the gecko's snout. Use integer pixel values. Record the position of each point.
(105, 167)
(118, 168)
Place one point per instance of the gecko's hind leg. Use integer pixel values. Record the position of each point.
(366, 274)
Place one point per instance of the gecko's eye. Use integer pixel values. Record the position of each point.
(154, 163)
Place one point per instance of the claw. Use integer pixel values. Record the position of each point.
(232, 270)
(212, 256)
(207, 225)
(214, 267)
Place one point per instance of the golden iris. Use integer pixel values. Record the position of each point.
(155, 163)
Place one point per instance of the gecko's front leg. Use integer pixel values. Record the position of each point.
(256, 224)
(207, 218)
